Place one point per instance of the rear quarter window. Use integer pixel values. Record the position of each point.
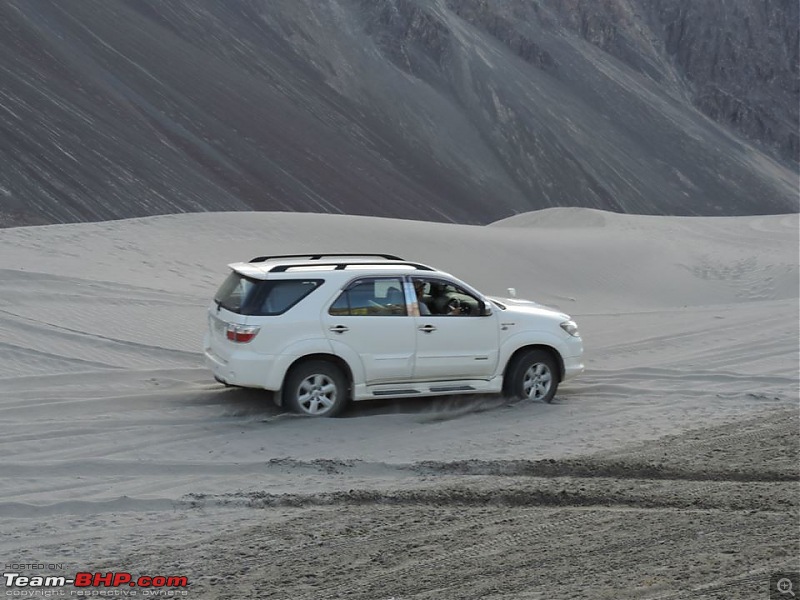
(257, 297)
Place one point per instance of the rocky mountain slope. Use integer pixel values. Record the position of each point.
(449, 110)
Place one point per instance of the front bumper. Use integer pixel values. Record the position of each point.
(573, 366)
(573, 358)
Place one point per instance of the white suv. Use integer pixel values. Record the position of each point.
(325, 329)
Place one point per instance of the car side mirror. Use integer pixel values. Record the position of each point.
(486, 309)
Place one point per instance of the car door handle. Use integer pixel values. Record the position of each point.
(339, 328)
(427, 328)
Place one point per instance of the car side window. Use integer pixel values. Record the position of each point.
(448, 299)
(381, 297)
(264, 297)
(285, 294)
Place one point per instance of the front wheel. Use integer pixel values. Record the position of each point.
(316, 388)
(533, 376)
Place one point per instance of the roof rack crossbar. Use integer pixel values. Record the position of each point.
(320, 256)
(340, 266)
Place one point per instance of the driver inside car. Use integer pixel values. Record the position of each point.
(452, 307)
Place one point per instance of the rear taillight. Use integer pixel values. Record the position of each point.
(241, 334)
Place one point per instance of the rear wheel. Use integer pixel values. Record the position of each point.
(316, 388)
(533, 376)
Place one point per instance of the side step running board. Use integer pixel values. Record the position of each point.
(453, 388)
(441, 388)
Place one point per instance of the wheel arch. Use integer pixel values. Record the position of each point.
(555, 354)
(324, 356)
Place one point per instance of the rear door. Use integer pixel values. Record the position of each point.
(248, 302)
(369, 321)
(226, 311)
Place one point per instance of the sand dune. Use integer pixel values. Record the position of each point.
(111, 428)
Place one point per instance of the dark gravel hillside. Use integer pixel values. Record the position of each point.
(447, 110)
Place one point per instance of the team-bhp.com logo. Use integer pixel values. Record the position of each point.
(89, 580)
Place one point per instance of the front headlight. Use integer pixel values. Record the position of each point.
(571, 328)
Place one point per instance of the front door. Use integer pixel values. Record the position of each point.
(455, 341)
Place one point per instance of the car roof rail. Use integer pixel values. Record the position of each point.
(340, 266)
(320, 256)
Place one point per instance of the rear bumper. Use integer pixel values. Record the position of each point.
(241, 369)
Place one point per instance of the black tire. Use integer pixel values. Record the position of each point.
(532, 376)
(316, 388)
